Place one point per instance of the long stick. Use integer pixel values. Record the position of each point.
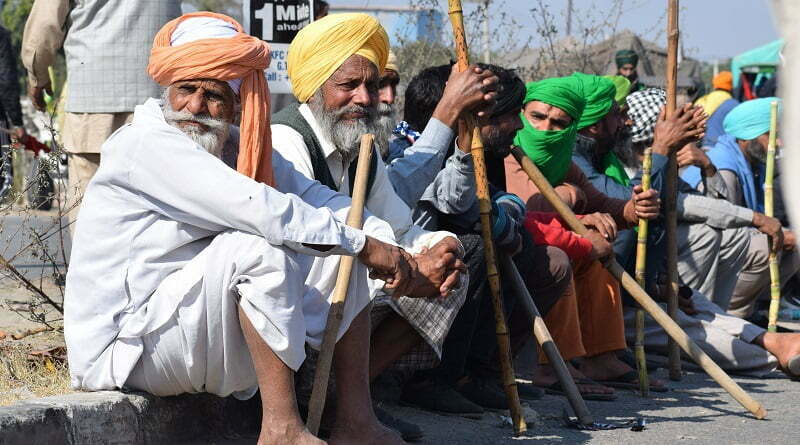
(671, 212)
(549, 347)
(628, 283)
(485, 207)
(354, 219)
(769, 210)
(641, 272)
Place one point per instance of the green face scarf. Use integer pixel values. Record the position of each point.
(614, 169)
(551, 151)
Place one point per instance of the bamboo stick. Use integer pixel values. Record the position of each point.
(549, 347)
(671, 212)
(319, 391)
(482, 190)
(641, 269)
(628, 283)
(769, 210)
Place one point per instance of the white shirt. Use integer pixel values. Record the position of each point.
(155, 202)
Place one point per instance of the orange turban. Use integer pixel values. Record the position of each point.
(723, 81)
(239, 57)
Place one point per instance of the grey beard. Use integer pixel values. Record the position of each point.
(387, 120)
(623, 148)
(345, 136)
(212, 140)
(756, 151)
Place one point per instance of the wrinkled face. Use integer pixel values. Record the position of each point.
(202, 109)
(387, 88)
(498, 133)
(757, 148)
(345, 106)
(628, 70)
(546, 117)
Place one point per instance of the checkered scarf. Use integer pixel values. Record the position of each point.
(643, 109)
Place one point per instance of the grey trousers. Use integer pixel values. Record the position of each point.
(725, 338)
(709, 259)
(753, 283)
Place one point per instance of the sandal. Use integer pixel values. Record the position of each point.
(555, 388)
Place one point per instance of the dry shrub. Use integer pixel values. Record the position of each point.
(25, 377)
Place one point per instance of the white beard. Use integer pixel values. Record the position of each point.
(212, 140)
(345, 136)
(387, 120)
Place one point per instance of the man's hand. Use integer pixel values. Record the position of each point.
(603, 223)
(771, 227)
(691, 154)
(37, 96)
(470, 90)
(388, 263)
(601, 248)
(643, 204)
(687, 124)
(438, 270)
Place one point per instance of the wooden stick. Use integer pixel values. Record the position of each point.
(354, 219)
(549, 347)
(641, 272)
(628, 283)
(769, 210)
(485, 207)
(671, 212)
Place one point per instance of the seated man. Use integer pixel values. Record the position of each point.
(187, 276)
(467, 380)
(338, 93)
(739, 158)
(555, 109)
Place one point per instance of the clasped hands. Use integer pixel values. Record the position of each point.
(432, 272)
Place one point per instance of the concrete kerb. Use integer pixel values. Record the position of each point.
(114, 417)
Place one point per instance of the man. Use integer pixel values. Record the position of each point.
(338, 91)
(387, 112)
(739, 157)
(187, 276)
(626, 61)
(717, 104)
(555, 111)
(713, 244)
(466, 382)
(106, 44)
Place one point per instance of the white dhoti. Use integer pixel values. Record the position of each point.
(199, 347)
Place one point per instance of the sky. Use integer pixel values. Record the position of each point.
(710, 28)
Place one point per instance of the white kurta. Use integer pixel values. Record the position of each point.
(430, 317)
(141, 252)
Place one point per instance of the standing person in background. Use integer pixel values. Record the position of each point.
(10, 110)
(107, 45)
(627, 60)
(717, 104)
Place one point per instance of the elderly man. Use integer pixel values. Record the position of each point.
(738, 159)
(187, 276)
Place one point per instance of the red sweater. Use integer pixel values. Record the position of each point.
(548, 229)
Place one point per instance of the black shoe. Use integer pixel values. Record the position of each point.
(441, 398)
(529, 391)
(409, 431)
(482, 392)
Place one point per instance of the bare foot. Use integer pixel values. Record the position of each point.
(784, 346)
(373, 433)
(607, 366)
(546, 376)
(277, 433)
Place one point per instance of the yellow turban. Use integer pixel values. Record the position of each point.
(320, 48)
(391, 63)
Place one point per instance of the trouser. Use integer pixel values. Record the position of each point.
(82, 166)
(471, 345)
(709, 260)
(196, 345)
(754, 281)
(587, 320)
(728, 340)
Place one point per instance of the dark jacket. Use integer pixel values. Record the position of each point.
(9, 81)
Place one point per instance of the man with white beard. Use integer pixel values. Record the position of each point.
(337, 89)
(188, 276)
